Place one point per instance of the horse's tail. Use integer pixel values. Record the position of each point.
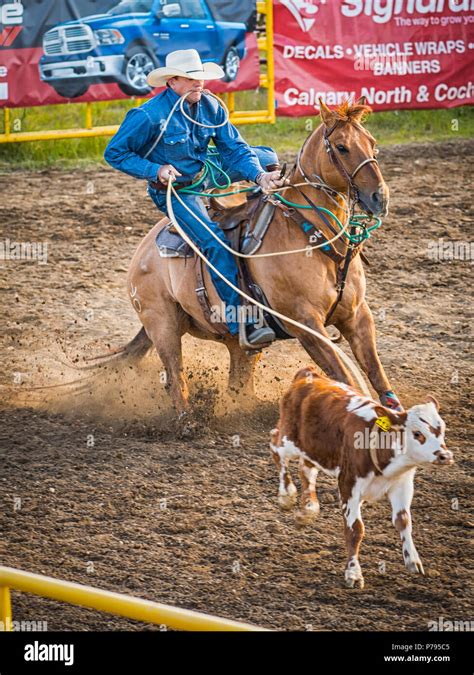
(135, 350)
(139, 346)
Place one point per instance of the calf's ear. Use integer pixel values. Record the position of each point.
(431, 399)
(396, 418)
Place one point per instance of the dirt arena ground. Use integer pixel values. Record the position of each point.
(98, 486)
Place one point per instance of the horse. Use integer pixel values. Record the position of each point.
(341, 153)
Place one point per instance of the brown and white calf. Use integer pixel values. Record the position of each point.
(371, 450)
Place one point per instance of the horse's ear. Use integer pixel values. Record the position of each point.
(326, 114)
(362, 101)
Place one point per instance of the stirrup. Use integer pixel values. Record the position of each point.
(244, 342)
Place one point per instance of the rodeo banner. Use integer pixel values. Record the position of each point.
(397, 53)
(52, 51)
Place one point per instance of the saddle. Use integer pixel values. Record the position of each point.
(245, 224)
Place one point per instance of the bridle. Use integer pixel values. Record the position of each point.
(353, 194)
(349, 177)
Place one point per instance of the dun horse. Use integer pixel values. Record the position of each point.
(341, 153)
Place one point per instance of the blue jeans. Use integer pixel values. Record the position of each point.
(221, 259)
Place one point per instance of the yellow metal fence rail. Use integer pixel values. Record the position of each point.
(267, 81)
(107, 601)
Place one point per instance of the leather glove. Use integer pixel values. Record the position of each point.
(270, 180)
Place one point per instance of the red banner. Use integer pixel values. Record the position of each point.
(93, 50)
(399, 54)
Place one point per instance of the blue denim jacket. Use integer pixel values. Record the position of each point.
(183, 143)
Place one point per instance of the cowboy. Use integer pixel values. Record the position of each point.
(179, 156)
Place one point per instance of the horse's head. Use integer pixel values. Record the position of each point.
(350, 157)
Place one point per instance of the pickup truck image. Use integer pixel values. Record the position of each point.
(131, 39)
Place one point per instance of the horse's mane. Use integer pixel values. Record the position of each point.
(353, 112)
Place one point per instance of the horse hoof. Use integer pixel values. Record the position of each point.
(287, 502)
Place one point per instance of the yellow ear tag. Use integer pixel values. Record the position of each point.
(383, 422)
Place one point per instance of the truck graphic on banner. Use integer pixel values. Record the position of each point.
(131, 39)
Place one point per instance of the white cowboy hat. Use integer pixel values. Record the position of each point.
(184, 63)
